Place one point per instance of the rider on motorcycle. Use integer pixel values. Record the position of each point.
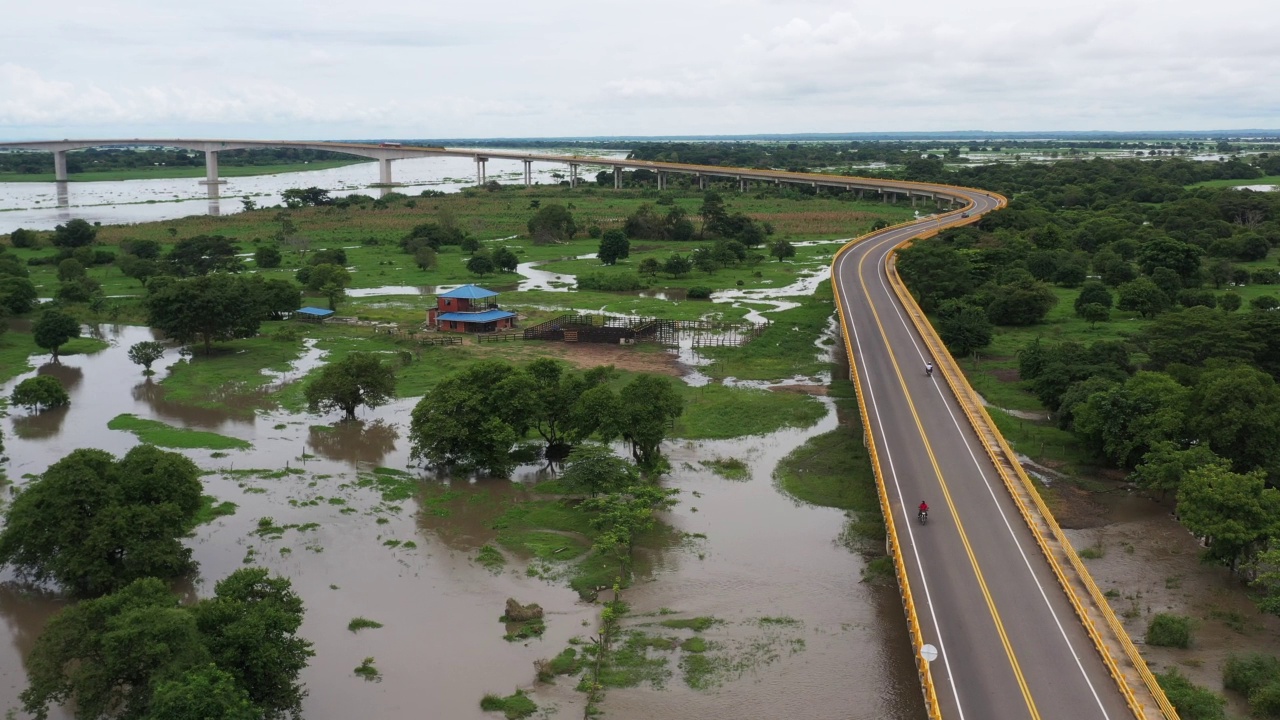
(928, 369)
(924, 509)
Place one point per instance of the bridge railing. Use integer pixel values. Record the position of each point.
(1130, 671)
(886, 508)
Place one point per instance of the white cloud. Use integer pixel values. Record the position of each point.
(565, 67)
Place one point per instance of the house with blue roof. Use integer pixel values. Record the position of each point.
(469, 308)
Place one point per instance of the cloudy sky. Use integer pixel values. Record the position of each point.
(535, 68)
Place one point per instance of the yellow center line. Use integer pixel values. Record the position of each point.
(964, 538)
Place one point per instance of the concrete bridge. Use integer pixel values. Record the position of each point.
(386, 153)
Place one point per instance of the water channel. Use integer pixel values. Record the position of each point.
(764, 555)
(42, 205)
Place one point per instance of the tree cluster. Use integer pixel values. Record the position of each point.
(217, 307)
(473, 420)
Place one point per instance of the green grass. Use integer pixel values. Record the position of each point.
(512, 707)
(1267, 180)
(174, 171)
(211, 509)
(630, 663)
(231, 376)
(162, 435)
(785, 349)
(360, 623)
(17, 348)
(367, 671)
(717, 411)
(697, 624)
(491, 558)
(566, 663)
(728, 468)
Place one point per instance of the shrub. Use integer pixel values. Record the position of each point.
(1168, 630)
(1192, 701)
(1247, 673)
(1265, 701)
(699, 292)
(611, 282)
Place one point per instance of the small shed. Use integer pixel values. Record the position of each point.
(312, 314)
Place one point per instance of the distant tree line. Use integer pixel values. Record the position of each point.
(99, 159)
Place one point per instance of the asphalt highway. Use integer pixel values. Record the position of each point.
(1010, 644)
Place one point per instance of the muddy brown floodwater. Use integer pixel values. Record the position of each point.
(844, 654)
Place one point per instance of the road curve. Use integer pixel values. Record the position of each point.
(1010, 644)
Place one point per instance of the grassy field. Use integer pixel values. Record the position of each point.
(162, 435)
(1268, 180)
(172, 171)
(17, 348)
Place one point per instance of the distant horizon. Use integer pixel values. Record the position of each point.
(1261, 134)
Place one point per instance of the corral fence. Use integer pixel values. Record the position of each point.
(615, 330)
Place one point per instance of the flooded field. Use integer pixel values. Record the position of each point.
(798, 632)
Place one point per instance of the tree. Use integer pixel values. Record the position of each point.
(1022, 302)
(1093, 292)
(267, 257)
(425, 258)
(70, 269)
(641, 415)
(200, 693)
(138, 653)
(1165, 465)
(1236, 411)
(54, 329)
(1144, 296)
(480, 264)
(713, 212)
(76, 233)
(211, 307)
(1094, 313)
(624, 515)
(121, 644)
(145, 249)
(782, 250)
(963, 327)
(275, 297)
(144, 353)
(93, 523)
(935, 272)
(677, 265)
(505, 260)
(649, 266)
(554, 222)
(594, 469)
(472, 419)
(250, 627)
(40, 392)
(1230, 301)
(614, 246)
(358, 379)
(304, 197)
(20, 238)
(1195, 335)
(203, 254)
(140, 269)
(1123, 423)
(17, 295)
(1263, 303)
(1236, 514)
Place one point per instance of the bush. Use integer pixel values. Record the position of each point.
(1265, 701)
(698, 292)
(611, 282)
(1168, 630)
(1192, 701)
(1247, 673)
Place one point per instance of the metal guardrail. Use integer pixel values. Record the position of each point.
(1056, 548)
(891, 531)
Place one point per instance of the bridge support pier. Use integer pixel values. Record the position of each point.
(480, 174)
(384, 171)
(617, 177)
(662, 180)
(702, 182)
(573, 175)
(742, 184)
(528, 173)
(60, 165)
(211, 170)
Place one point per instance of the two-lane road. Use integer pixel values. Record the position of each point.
(1010, 644)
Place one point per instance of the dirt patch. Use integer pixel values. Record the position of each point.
(1075, 508)
(589, 355)
(801, 389)
(1005, 375)
(1146, 564)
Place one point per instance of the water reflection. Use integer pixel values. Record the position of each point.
(354, 442)
(43, 424)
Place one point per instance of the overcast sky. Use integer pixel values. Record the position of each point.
(286, 69)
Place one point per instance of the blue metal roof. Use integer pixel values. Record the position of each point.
(477, 317)
(315, 312)
(471, 292)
